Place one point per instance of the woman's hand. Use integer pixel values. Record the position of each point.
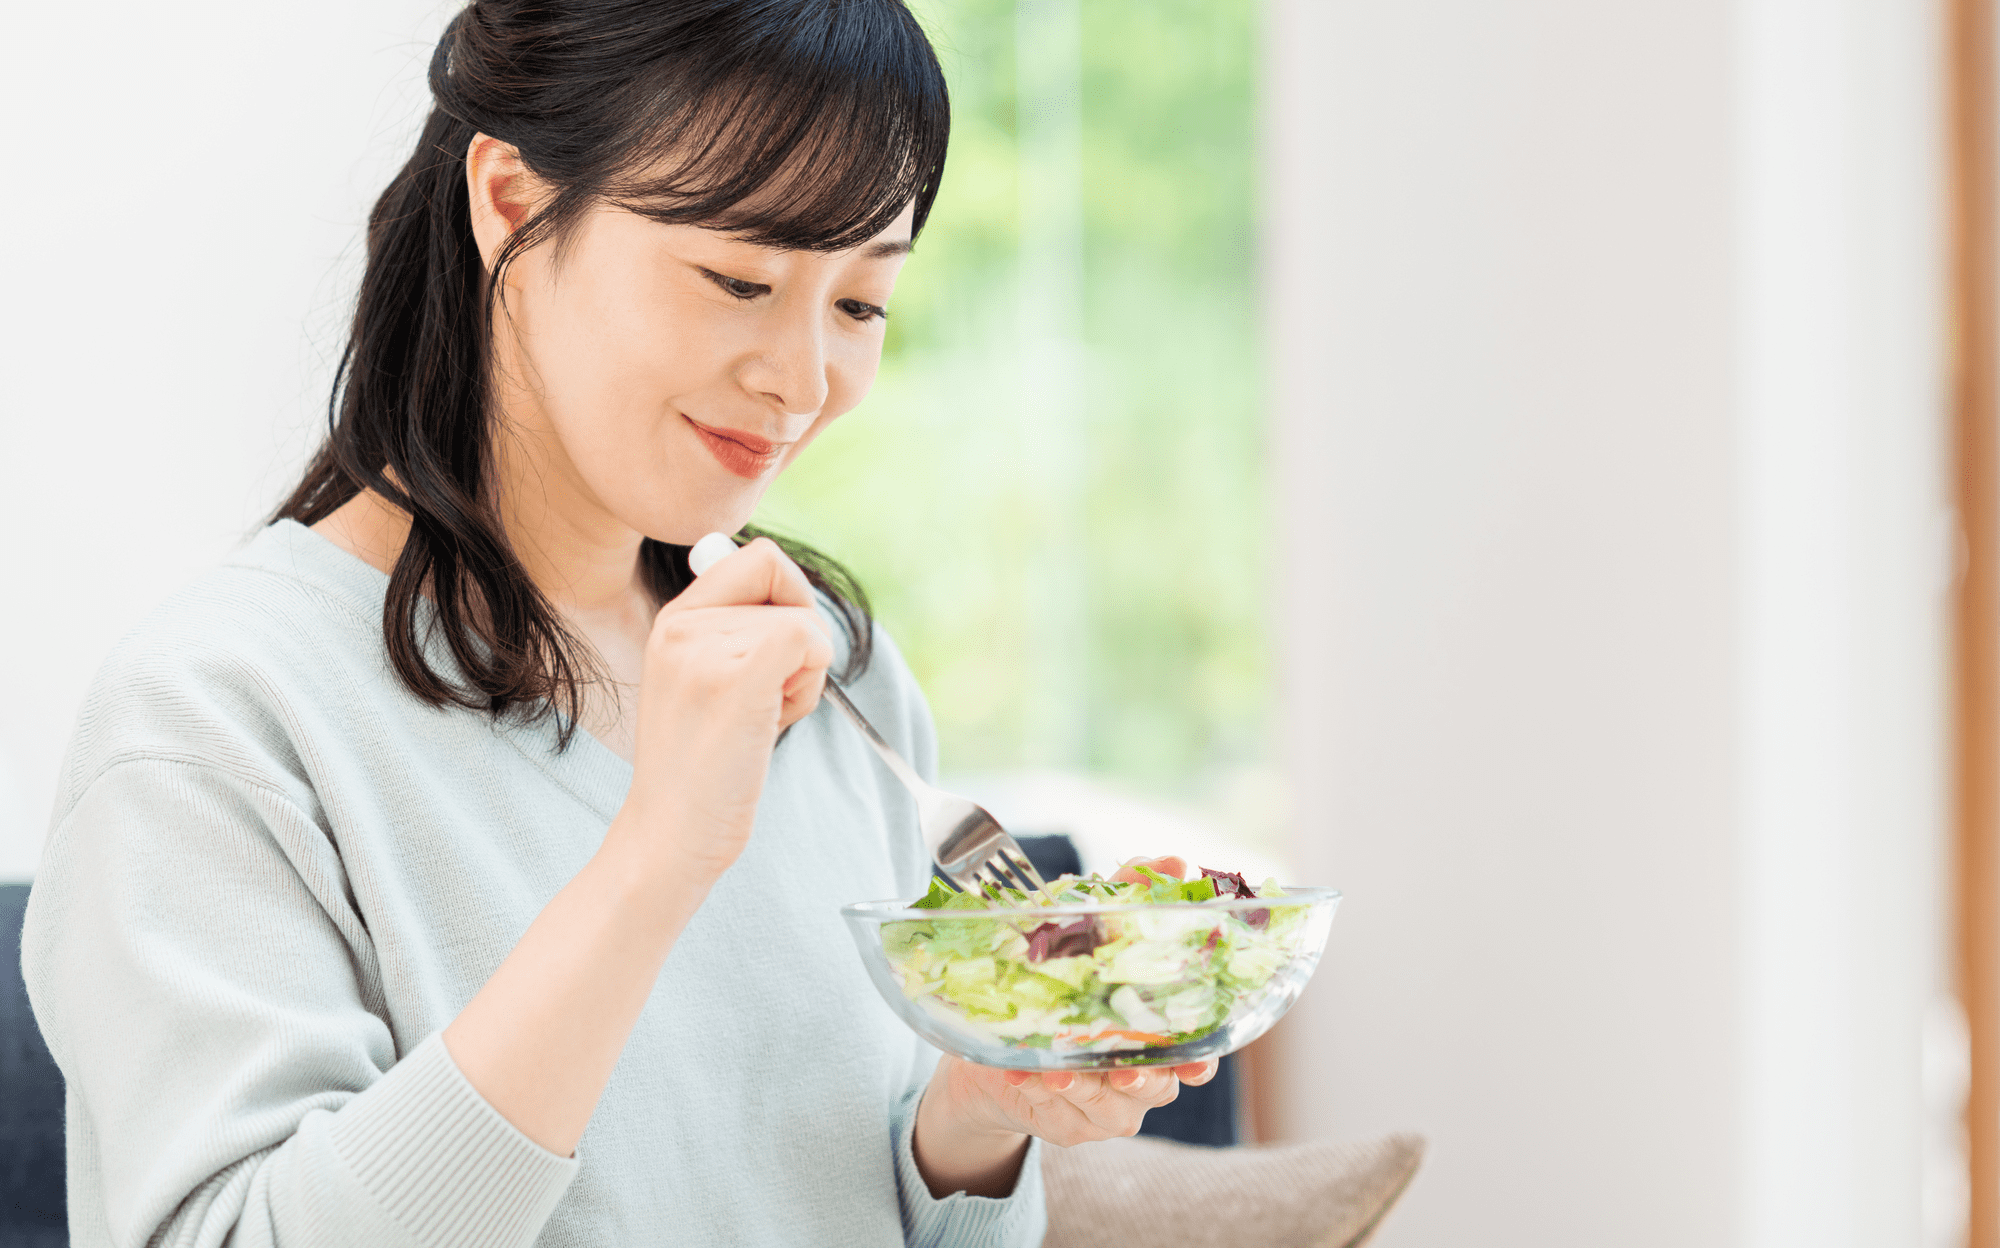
(737, 658)
(973, 1123)
(1172, 866)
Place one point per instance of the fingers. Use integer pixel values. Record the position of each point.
(1151, 1088)
(1114, 1102)
(1090, 1086)
(1054, 1117)
(1172, 866)
(1075, 1107)
(755, 575)
(1194, 1074)
(792, 637)
(802, 691)
(755, 579)
(756, 659)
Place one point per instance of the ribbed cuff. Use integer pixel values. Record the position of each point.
(1019, 1220)
(442, 1162)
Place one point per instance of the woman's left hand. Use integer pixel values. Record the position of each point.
(972, 1124)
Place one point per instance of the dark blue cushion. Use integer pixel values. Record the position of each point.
(1203, 1115)
(31, 1104)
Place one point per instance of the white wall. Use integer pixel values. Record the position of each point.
(1607, 422)
(185, 211)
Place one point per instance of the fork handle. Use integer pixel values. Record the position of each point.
(716, 547)
(918, 788)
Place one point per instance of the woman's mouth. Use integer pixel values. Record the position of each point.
(744, 454)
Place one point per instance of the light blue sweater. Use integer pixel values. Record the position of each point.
(274, 876)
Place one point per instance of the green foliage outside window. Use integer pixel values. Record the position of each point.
(924, 489)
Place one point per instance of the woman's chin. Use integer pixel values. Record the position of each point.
(696, 518)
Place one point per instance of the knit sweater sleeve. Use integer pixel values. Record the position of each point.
(197, 966)
(960, 1220)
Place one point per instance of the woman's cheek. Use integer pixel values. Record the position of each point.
(854, 374)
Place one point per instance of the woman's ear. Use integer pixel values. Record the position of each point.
(503, 191)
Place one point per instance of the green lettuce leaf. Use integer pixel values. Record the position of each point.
(936, 898)
(1201, 889)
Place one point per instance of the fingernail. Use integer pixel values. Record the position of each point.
(1015, 1078)
(1058, 1081)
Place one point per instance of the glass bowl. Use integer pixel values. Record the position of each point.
(1094, 986)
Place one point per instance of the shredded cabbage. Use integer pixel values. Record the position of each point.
(1165, 975)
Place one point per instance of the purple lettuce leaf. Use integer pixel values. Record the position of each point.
(1078, 937)
(1232, 884)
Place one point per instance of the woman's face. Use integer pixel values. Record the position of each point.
(660, 376)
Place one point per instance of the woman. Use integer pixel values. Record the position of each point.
(450, 819)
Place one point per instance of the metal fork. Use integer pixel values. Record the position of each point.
(969, 846)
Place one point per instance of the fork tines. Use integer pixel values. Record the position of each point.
(1008, 867)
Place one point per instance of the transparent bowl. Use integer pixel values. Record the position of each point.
(1094, 986)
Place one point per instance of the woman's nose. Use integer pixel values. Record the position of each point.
(791, 370)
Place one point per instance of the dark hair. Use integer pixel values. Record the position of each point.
(681, 110)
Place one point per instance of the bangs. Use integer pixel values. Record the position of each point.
(813, 140)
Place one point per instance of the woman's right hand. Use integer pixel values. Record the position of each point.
(740, 655)
(736, 658)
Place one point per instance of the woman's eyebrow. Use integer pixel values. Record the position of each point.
(889, 247)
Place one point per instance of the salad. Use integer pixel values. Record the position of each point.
(1166, 974)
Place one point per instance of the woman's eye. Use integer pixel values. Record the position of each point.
(737, 286)
(861, 311)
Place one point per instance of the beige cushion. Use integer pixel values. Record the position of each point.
(1166, 1195)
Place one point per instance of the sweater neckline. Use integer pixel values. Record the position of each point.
(588, 770)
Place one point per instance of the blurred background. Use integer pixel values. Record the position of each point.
(1494, 457)
(1057, 490)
